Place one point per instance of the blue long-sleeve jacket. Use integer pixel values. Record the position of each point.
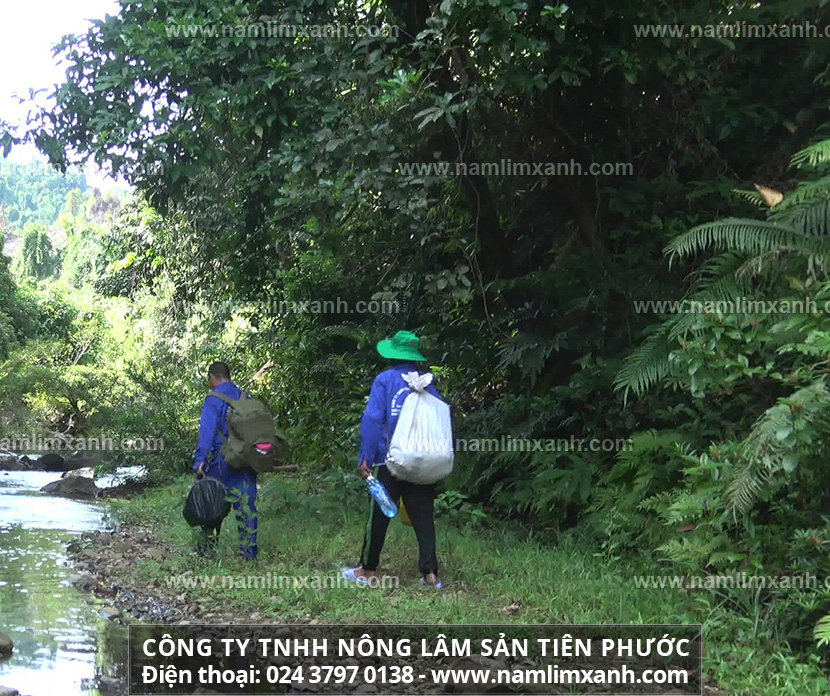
(381, 416)
(214, 420)
(241, 483)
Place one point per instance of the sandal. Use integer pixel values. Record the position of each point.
(351, 575)
(438, 584)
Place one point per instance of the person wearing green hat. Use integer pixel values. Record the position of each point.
(403, 346)
(389, 390)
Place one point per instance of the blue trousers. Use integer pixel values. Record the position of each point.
(241, 484)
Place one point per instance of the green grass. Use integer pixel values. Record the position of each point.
(502, 574)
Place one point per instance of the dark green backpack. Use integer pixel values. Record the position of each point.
(253, 441)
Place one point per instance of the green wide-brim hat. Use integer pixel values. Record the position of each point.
(404, 345)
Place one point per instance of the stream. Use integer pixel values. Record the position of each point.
(61, 644)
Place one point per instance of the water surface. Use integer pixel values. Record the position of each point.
(61, 645)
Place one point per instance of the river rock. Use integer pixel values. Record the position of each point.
(83, 581)
(86, 472)
(110, 685)
(10, 462)
(109, 613)
(74, 487)
(6, 645)
(51, 461)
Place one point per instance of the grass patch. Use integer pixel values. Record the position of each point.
(502, 574)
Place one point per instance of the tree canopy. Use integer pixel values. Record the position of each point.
(526, 184)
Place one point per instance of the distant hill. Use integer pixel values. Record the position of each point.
(35, 192)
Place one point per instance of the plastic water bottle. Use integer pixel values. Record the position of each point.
(380, 494)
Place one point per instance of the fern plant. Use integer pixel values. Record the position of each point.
(822, 631)
(759, 269)
(749, 502)
(777, 442)
(649, 469)
(754, 258)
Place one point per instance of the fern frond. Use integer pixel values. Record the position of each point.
(715, 292)
(727, 286)
(647, 365)
(763, 452)
(806, 191)
(656, 503)
(735, 234)
(687, 506)
(815, 154)
(646, 444)
(760, 266)
(809, 217)
(766, 432)
(689, 549)
(748, 480)
(822, 631)
(752, 196)
(756, 237)
(717, 268)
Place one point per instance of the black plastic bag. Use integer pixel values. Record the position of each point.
(207, 502)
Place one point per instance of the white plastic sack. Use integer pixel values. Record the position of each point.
(421, 450)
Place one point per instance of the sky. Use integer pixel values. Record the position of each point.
(29, 30)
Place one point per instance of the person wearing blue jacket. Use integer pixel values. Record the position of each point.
(241, 483)
(389, 390)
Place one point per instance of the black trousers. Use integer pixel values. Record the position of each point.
(419, 500)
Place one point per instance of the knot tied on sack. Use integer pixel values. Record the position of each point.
(417, 382)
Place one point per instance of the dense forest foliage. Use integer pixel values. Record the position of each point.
(35, 192)
(272, 174)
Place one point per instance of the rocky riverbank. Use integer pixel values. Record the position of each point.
(51, 461)
(6, 648)
(76, 481)
(106, 563)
